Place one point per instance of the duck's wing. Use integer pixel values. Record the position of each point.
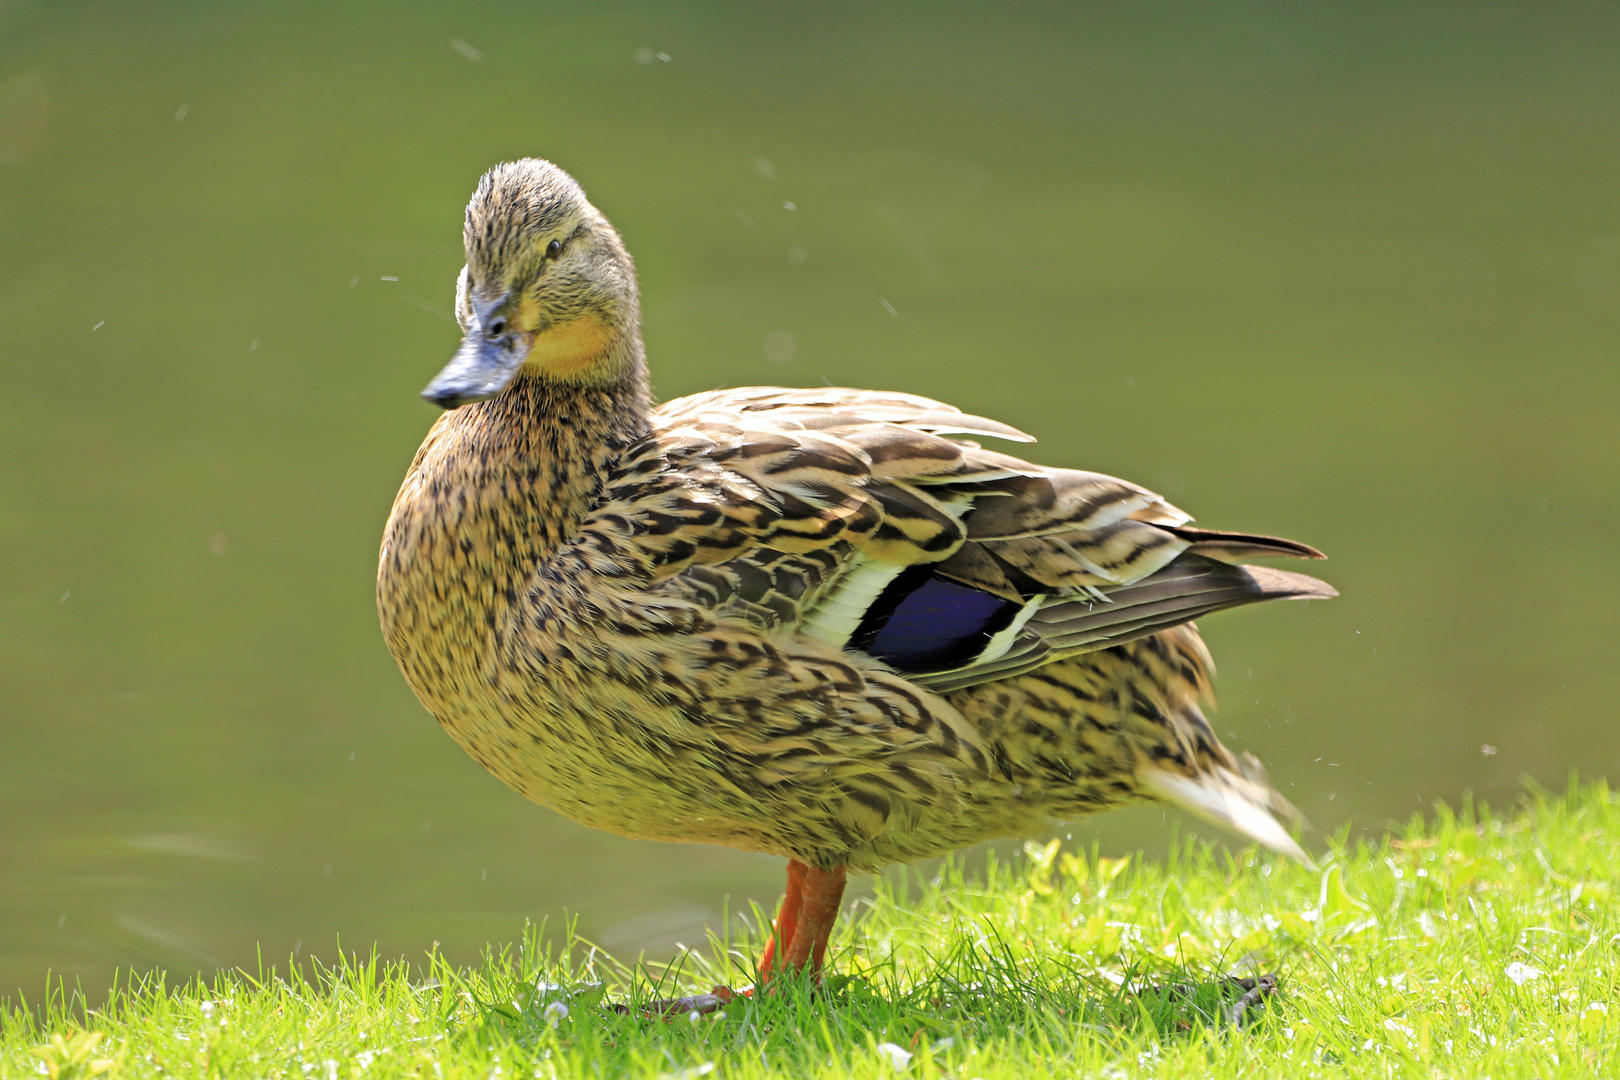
(871, 520)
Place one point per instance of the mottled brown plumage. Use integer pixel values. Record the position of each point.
(690, 622)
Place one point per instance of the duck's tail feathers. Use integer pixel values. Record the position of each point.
(1236, 546)
(1190, 587)
(1238, 800)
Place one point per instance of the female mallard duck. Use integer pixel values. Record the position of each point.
(823, 624)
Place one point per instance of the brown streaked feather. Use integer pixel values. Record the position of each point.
(807, 408)
(1111, 555)
(1232, 546)
(1044, 501)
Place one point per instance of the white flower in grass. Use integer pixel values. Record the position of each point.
(896, 1055)
(691, 1073)
(1521, 973)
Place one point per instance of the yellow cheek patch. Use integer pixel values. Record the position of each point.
(570, 349)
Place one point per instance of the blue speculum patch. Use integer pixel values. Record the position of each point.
(925, 623)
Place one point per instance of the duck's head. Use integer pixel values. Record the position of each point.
(548, 289)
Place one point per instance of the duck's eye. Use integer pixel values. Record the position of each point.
(554, 249)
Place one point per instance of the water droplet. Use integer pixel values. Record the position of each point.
(780, 346)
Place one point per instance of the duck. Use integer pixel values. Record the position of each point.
(829, 624)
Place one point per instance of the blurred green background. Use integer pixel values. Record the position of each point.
(1347, 273)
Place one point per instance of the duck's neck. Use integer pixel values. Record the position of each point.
(496, 489)
(558, 441)
(539, 452)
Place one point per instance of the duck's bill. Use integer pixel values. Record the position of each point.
(481, 368)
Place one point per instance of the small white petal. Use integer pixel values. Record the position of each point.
(1521, 973)
(897, 1056)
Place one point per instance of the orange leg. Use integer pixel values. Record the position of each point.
(798, 941)
(821, 891)
(787, 922)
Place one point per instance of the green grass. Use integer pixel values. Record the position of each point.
(1463, 946)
